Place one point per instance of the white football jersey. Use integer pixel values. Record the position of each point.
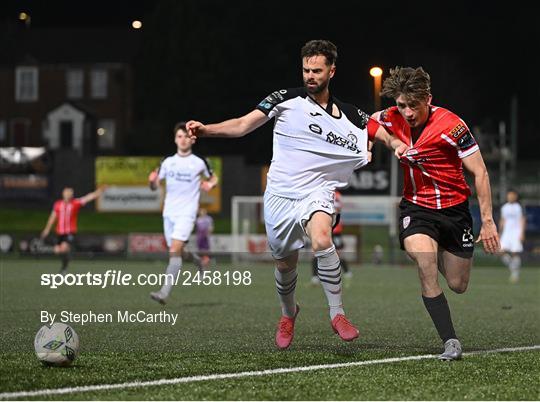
(512, 214)
(183, 183)
(313, 149)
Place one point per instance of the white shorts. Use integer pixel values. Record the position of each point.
(510, 242)
(285, 219)
(177, 227)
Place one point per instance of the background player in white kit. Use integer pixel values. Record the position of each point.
(318, 142)
(512, 226)
(182, 173)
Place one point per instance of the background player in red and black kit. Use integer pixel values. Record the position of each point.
(435, 222)
(66, 212)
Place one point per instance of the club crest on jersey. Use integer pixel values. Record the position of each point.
(412, 152)
(352, 137)
(406, 222)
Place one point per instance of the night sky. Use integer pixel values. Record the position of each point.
(478, 55)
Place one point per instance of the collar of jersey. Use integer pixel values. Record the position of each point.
(183, 156)
(331, 101)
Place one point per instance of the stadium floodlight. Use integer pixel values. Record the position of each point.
(136, 24)
(376, 73)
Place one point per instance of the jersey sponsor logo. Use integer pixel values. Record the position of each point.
(315, 128)
(276, 95)
(179, 176)
(364, 118)
(342, 142)
(273, 99)
(458, 130)
(265, 105)
(406, 222)
(352, 137)
(466, 141)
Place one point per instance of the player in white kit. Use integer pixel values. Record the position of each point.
(182, 173)
(512, 226)
(318, 142)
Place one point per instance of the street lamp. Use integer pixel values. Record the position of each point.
(376, 73)
(25, 17)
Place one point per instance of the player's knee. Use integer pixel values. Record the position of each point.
(61, 249)
(175, 251)
(427, 265)
(459, 286)
(321, 241)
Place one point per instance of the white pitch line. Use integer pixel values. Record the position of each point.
(183, 380)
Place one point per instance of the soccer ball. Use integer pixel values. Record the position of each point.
(56, 345)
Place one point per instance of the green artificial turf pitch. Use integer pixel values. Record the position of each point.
(230, 329)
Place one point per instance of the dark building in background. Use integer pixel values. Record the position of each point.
(67, 92)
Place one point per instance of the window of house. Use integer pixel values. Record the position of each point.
(75, 84)
(26, 84)
(98, 85)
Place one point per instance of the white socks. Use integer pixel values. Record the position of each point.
(286, 285)
(173, 270)
(515, 265)
(329, 273)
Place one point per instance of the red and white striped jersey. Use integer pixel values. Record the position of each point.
(433, 170)
(66, 215)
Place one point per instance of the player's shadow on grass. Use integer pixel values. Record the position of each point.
(70, 367)
(359, 349)
(188, 305)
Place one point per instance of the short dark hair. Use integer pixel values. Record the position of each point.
(512, 190)
(320, 47)
(179, 126)
(412, 83)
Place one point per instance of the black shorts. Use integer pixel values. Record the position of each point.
(337, 239)
(450, 227)
(68, 238)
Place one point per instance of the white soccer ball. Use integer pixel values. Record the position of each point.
(56, 345)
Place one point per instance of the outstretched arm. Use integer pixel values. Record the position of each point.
(93, 195)
(230, 128)
(48, 226)
(474, 163)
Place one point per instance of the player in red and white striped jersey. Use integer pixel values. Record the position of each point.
(435, 221)
(65, 213)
